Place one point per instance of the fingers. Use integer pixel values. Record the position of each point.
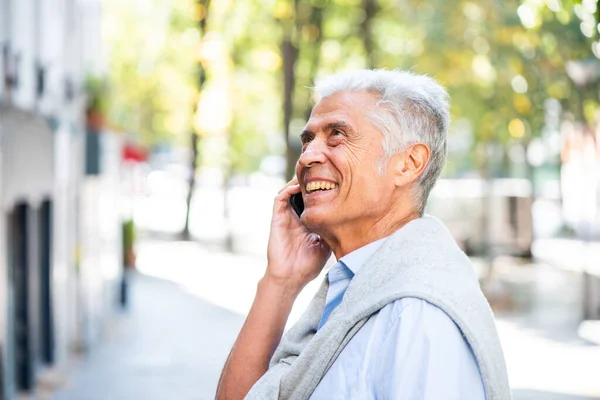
(290, 183)
(291, 190)
(282, 200)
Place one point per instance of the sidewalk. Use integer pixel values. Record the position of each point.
(545, 355)
(181, 326)
(171, 345)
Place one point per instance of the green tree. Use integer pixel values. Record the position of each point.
(201, 11)
(150, 69)
(156, 74)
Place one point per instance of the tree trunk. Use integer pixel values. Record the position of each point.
(316, 19)
(195, 140)
(532, 199)
(290, 55)
(185, 234)
(229, 243)
(370, 7)
(486, 200)
(290, 52)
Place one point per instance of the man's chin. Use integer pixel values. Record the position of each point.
(313, 219)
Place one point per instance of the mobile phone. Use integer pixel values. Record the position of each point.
(297, 203)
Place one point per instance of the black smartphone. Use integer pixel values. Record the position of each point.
(297, 203)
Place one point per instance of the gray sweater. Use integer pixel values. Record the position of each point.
(420, 260)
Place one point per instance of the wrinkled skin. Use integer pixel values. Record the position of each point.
(341, 145)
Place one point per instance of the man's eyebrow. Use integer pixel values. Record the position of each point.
(338, 125)
(329, 127)
(307, 132)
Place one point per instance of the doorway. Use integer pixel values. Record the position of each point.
(45, 259)
(19, 279)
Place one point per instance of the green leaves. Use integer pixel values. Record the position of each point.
(151, 68)
(499, 60)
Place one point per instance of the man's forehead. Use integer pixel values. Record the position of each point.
(347, 101)
(342, 107)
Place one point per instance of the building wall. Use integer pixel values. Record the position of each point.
(3, 274)
(27, 176)
(4, 19)
(101, 241)
(51, 54)
(23, 46)
(28, 159)
(4, 27)
(65, 241)
(42, 156)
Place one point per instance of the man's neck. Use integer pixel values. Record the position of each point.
(346, 239)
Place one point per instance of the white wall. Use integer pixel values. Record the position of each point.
(28, 158)
(101, 240)
(27, 175)
(69, 144)
(23, 43)
(64, 36)
(52, 53)
(3, 274)
(4, 22)
(93, 59)
(63, 268)
(4, 19)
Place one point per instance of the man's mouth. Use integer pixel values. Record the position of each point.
(319, 185)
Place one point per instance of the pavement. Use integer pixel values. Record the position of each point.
(539, 325)
(189, 301)
(169, 345)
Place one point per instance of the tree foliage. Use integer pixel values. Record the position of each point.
(500, 62)
(152, 67)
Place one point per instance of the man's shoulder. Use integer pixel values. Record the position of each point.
(416, 313)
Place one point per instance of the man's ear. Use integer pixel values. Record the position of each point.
(410, 164)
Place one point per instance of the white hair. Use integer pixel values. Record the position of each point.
(411, 109)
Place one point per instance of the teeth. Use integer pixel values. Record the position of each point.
(322, 185)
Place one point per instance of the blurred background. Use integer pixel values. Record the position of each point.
(142, 143)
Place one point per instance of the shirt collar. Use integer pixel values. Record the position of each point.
(356, 259)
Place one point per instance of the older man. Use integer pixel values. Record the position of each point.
(401, 315)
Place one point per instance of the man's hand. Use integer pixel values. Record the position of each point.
(295, 255)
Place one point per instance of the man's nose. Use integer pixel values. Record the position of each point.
(313, 154)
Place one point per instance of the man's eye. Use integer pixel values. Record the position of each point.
(306, 139)
(337, 132)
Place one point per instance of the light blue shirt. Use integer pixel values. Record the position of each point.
(409, 350)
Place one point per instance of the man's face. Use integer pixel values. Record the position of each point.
(338, 167)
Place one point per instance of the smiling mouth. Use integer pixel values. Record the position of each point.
(312, 187)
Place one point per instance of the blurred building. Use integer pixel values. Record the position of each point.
(486, 217)
(59, 225)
